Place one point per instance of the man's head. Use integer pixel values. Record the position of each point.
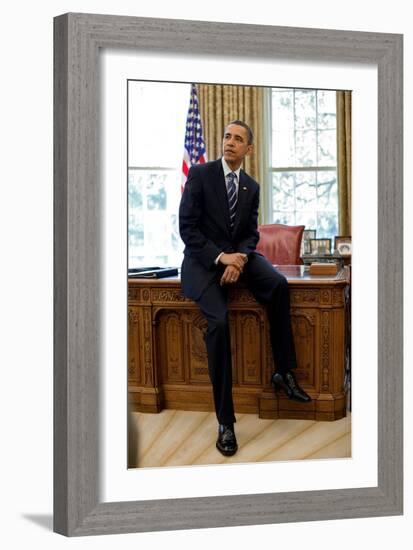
(237, 143)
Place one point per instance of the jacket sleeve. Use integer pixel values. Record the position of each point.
(249, 241)
(190, 213)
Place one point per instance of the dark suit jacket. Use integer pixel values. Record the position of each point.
(204, 223)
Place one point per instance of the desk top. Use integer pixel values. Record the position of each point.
(295, 274)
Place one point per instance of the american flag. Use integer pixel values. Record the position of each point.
(194, 151)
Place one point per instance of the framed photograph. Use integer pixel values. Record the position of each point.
(178, 394)
(320, 247)
(308, 234)
(83, 229)
(344, 249)
(342, 244)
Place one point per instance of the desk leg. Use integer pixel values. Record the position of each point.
(144, 392)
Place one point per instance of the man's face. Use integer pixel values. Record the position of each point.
(235, 145)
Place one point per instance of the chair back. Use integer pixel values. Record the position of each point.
(281, 244)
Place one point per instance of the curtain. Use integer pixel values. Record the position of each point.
(219, 104)
(344, 161)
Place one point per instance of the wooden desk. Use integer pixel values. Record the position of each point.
(167, 360)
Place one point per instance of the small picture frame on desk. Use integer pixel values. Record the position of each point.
(344, 249)
(305, 245)
(320, 247)
(342, 244)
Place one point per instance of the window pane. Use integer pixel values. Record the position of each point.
(155, 191)
(326, 106)
(282, 109)
(136, 232)
(135, 192)
(283, 148)
(305, 109)
(327, 190)
(327, 148)
(305, 190)
(305, 148)
(283, 191)
(327, 225)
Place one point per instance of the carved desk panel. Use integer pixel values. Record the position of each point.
(167, 361)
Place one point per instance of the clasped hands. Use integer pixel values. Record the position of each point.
(234, 267)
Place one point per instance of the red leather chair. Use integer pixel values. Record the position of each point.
(281, 244)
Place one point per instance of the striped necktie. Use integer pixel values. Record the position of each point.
(232, 197)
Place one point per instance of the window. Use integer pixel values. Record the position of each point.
(302, 159)
(156, 130)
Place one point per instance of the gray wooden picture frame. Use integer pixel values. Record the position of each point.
(78, 38)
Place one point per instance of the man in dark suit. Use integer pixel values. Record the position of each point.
(218, 218)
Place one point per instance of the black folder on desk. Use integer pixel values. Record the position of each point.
(152, 272)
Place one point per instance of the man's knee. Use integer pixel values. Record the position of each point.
(278, 281)
(282, 282)
(218, 323)
(280, 289)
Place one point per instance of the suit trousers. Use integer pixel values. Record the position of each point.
(270, 288)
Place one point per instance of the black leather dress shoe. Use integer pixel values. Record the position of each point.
(289, 384)
(226, 442)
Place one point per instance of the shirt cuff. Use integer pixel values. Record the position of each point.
(217, 258)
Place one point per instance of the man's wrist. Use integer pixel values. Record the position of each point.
(218, 258)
